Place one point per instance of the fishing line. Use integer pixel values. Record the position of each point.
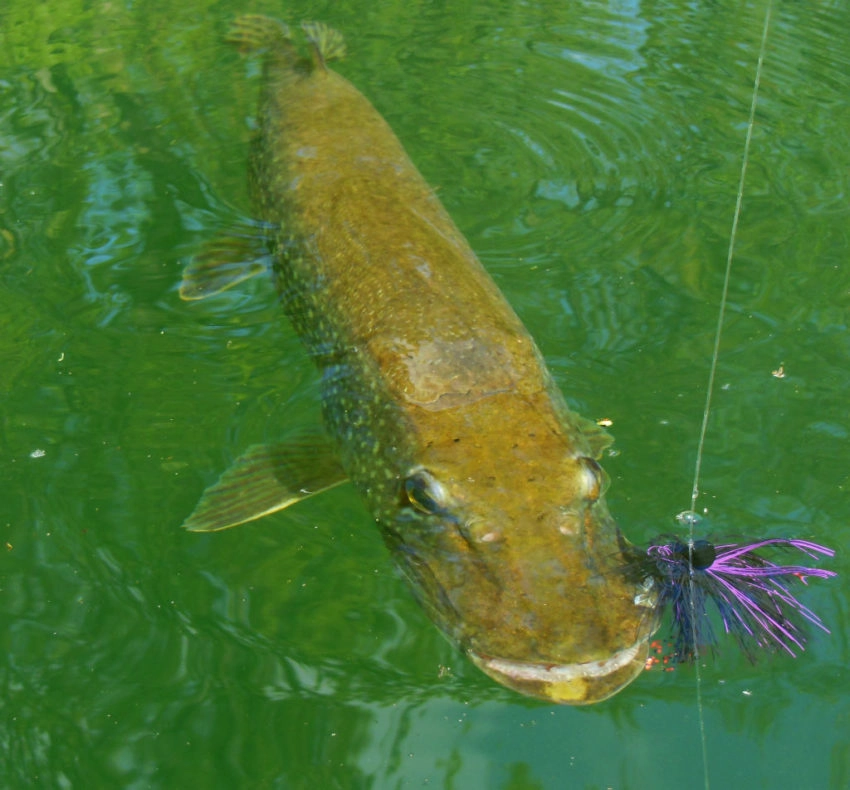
(690, 516)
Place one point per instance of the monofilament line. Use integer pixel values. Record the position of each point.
(713, 371)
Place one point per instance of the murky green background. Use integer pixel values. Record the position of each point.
(591, 153)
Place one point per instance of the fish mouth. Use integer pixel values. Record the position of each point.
(568, 684)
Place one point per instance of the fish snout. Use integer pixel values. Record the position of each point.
(568, 684)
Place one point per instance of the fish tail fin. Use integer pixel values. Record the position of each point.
(327, 43)
(253, 32)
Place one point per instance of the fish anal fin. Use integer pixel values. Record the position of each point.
(225, 261)
(327, 43)
(265, 479)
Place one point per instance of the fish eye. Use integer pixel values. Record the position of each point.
(424, 492)
(593, 478)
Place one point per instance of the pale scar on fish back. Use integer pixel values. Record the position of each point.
(445, 373)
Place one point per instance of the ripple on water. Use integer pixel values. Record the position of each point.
(630, 148)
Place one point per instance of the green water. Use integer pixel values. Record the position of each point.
(591, 153)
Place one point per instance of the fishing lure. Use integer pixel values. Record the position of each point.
(751, 593)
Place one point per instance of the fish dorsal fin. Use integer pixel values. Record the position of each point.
(268, 478)
(226, 260)
(327, 43)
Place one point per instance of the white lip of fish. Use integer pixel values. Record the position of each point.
(559, 673)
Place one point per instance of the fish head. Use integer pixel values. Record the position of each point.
(511, 548)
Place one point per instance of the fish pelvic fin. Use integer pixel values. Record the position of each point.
(265, 479)
(254, 32)
(327, 44)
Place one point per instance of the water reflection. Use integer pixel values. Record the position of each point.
(591, 153)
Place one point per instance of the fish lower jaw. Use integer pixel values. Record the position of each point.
(568, 684)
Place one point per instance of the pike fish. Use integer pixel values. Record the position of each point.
(437, 404)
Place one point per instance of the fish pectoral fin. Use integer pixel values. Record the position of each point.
(265, 479)
(595, 435)
(226, 260)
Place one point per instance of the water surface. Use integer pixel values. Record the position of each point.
(591, 153)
